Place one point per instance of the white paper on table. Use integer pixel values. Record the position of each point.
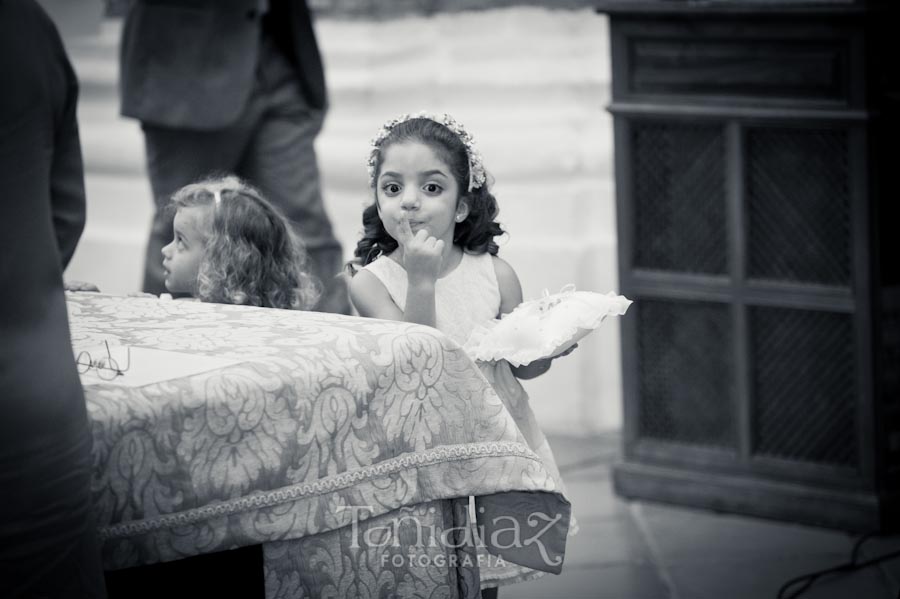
(145, 365)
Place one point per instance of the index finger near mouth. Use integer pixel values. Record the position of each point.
(404, 231)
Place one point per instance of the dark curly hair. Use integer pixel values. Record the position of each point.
(251, 256)
(475, 234)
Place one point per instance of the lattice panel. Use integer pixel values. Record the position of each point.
(679, 197)
(798, 205)
(804, 385)
(889, 347)
(685, 372)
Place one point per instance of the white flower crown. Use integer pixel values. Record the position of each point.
(476, 166)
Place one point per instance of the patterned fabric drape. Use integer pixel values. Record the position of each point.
(321, 422)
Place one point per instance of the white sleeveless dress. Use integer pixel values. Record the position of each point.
(467, 296)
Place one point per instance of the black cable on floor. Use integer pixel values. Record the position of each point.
(853, 565)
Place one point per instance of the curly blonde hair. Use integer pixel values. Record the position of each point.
(251, 255)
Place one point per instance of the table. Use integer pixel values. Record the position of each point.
(310, 417)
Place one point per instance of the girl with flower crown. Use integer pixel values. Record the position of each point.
(433, 223)
(231, 246)
(428, 253)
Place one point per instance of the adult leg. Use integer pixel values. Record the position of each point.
(231, 573)
(176, 157)
(49, 546)
(281, 161)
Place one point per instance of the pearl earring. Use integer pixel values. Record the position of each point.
(460, 218)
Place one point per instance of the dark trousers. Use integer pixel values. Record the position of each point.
(48, 543)
(235, 573)
(271, 146)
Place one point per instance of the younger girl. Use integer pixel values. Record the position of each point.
(231, 246)
(428, 250)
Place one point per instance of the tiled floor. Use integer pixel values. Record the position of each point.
(641, 550)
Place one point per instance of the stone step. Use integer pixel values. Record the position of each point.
(563, 147)
(112, 146)
(538, 152)
(111, 250)
(517, 47)
(514, 50)
(577, 206)
(550, 77)
(355, 89)
(120, 209)
(380, 11)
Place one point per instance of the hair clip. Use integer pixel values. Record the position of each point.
(217, 197)
(476, 166)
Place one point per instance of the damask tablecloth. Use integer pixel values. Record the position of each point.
(346, 446)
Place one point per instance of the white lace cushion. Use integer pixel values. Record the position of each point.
(544, 327)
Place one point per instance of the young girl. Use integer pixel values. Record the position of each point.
(428, 250)
(231, 246)
(432, 223)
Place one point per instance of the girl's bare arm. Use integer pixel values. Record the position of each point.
(510, 297)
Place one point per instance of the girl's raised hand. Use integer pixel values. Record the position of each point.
(422, 253)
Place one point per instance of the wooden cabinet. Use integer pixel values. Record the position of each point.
(757, 200)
